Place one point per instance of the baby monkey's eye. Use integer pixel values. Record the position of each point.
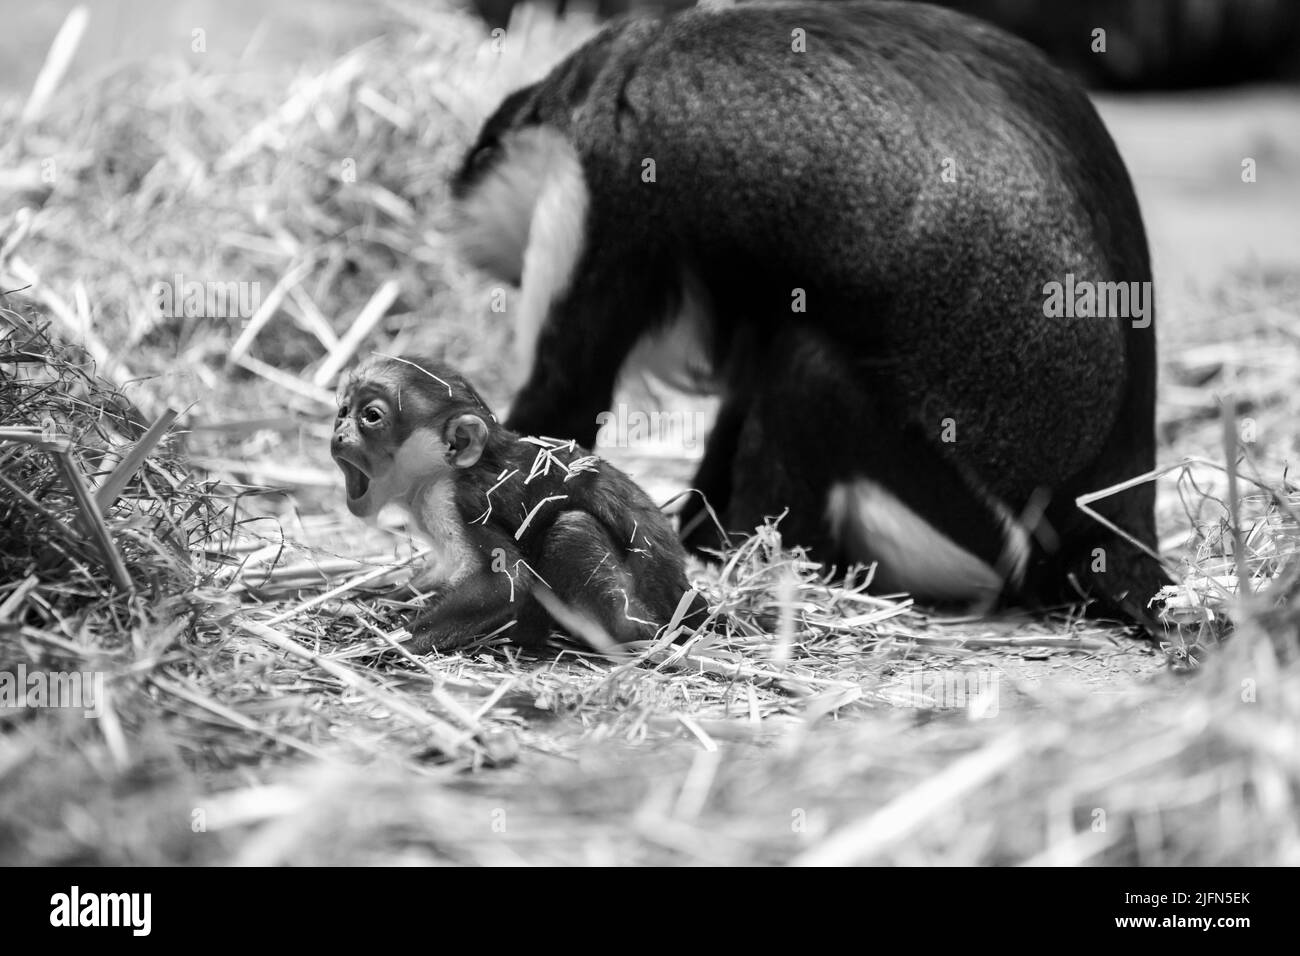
(343, 411)
(373, 415)
(483, 157)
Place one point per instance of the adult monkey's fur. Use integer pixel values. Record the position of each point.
(923, 408)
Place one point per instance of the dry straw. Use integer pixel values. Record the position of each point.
(258, 705)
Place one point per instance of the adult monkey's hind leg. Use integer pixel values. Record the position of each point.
(710, 495)
(860, 482)
(583, 340)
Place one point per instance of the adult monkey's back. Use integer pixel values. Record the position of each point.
(857, 208)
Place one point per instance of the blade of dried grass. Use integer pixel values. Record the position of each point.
(17, 596)
(369, 316)
(577, 623)
(874, 835)
(266, 310)
(111, 488)
(443, 736)
(311, 319)
(296, 107)
(92, 521)
(57, 60)
(344, 588)
(192, 695)
(1230, 440)
(470, 721)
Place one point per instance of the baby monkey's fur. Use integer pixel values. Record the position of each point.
(532, 531)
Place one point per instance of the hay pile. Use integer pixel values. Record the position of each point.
(257, 705)
(315, 185)
(812, 728)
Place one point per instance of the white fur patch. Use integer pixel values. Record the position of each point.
(420, 460)
(913, 555)
(426, 488)
(526, 222)
(451, 558)
(421, 481)
(555, 241)
(676, 355)
(1016, 547)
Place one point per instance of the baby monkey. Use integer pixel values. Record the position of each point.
(524, 530)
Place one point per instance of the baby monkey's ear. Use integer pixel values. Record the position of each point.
(465, 435)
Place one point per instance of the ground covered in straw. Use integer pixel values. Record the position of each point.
(169, 520)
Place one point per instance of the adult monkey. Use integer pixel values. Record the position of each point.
(855, 211)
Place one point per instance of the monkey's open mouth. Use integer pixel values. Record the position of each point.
(356, 480)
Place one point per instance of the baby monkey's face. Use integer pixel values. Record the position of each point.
(392, 438)
(365, 446)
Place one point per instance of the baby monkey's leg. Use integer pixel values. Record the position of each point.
(589, 573)
(490, 594)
